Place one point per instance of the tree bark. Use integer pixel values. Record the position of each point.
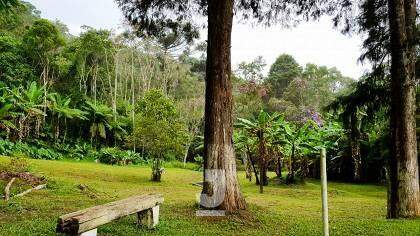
(355, 148)
(219, 153)
(403, 192)
(257, 180)
(279, 166)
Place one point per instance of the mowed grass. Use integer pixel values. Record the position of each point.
(281, 210)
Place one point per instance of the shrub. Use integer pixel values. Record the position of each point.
(81, 151)
(115, 156)
(8, 148)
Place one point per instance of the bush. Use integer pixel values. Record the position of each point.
(115, 156)
(8, 148)
(82, 151)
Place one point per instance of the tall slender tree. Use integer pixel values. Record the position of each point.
(404, 195)
(390, 26)
(151, 17)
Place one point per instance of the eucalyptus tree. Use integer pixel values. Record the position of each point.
(153, 17)
(94, 49)
(42, 42)
(252, 71)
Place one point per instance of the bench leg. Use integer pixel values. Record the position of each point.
(92, 232)
(149, 217)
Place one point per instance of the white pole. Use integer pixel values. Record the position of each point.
(324, 191)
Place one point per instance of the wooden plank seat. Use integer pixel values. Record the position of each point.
(85, 222)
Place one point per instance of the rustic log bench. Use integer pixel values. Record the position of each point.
(86, 222)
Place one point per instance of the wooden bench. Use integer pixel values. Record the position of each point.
(86, 222)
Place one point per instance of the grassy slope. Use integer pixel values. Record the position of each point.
(281, 210)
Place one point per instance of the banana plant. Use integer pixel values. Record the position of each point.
(262, 128)
(298, 141)
(246, 145)
(6, 112)
(5, 123)
(303, 141)
(29, 105)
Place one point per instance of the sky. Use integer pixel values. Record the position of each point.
(311, 42)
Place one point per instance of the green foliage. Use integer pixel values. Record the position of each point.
(81, 151)
(16, 15)
(41, 43)
(6, 147)
(157, 126)
(115, 156)
(317, 87)
(99, 116)
(252, 71)
(33, 151)
(282, 72)
(14, 68)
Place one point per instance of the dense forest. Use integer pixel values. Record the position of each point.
(150, 96)
(101, 92)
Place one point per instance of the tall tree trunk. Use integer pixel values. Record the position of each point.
(279, 166)
(257, 180)
(262, 170)
(247, 165)
(355, 148)
(219, 153)
(291, 175)
(133, 99)
(187, 148)
(65, 130)
(262, 152)
(403, 192)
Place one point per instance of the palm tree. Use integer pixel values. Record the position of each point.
(117, 127)
(99, 116)
(61, 110)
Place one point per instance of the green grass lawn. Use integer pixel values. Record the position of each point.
(281, 210)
